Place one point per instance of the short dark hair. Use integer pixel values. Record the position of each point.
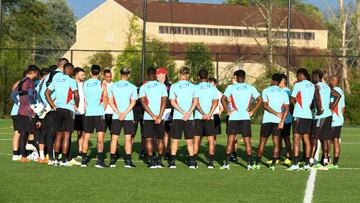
(302, 71)
(203, 74)
(151, 71)
(32, 68)
(319, 73)
(125, 71)
(24, 73)
(78, 70)
(95, 70)
(213, 80)
(283, 76)
(68, 65)
(240, 74)
(53, 67)
(277, 77)
(107, 71)
(185, 70)
(44, 71)
(63, 60)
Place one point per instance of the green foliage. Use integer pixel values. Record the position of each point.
(103, 59)
(32, 24)
(276, 3)
(157, 54)
(312, 63)
(198, 57)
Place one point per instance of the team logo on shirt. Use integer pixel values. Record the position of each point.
(184, 86)
(275, 90)
(122, 85)
(91, 84)
(309, 85)
(205, 87)
(61, 80)
(241, 88)
(152, 86)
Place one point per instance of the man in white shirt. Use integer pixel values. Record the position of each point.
(108, 110)
(80, 111)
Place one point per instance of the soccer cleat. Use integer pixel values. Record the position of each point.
(74, 162)
(16, 157)
(65, 163)
(24, 160)
(270, 161)
(142, 155)
(129, 164)
(287, 162)
(55, 163)
(333, 167)
(293, 168)
(225, 167)
(210, 165)
(50, 162)
(306, 167)
(255, 167)
(249, 167)
(159, 164)
(43, 161)
(85, 161)
(100, 164)
(172, 164)
(113, 163)
(272, 168)
(318, 165)
(167, 156)
(152, 165)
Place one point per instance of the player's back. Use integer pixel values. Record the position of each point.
(276, 99)
(122, 91)
(183, 92)
(63, 87)
(304, 93)
(153, 91)
(325, 96)
(206, 93)
(93, 93)
(338, 117)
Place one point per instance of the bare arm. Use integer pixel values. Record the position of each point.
(215, 103)
(257, 105)
(272, 111)
(112, 105)
(162, 107)
(318, 100)
(105, 95)
(76, 98)
(146, 107)
(48, 99)
(224, 103)
(176, 106)
(336, 100)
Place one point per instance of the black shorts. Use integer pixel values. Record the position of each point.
(242, 127)
(47, 127)
(168, 125)
(180, 126)
(285, 132)
(79, 122)
(16, 124)
(138, 118)
(322, 128)
(118, 125)
(268, 129)
(204, 127)
(302, 126)
(26, 124)
(92, 123)
(152, 130)
(217, 123)
(108, 121)
(64, 120)
(335, 132)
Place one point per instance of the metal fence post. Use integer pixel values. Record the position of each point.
(217, 66)
(71, 56)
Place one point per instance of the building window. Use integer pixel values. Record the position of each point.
(187, 31)
(236, 33)
(200, 31)
(212, 32)
(309, 36)
(175, 30)
(224, 32)
(163, 29)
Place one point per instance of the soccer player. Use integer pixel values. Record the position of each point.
(182, 99)
(302, 98)
(219, 109)
(206, 98)
(323, 117)
(241, 96)
(80, 111)
(96, 100)
(161, 76)
(274, 100)
(285, 132)
(122, 99)
(153, 97)
(337, 121)
(108, 111)
(26, 115)
(67, 99)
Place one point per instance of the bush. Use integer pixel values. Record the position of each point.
(352, 110)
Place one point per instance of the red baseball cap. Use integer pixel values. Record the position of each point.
(161, 71)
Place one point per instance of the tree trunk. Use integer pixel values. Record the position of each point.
(345, 67)
(269, 37)
(358, 32)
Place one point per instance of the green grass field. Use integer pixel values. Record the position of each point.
(32, 182)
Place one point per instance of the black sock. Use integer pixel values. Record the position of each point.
(249, 160)
(101, 156)
(172, 157)
(307, 160)
(273, 162)
(159, 158)
(16, 152)
(113, 156)
(211, 158)
(227, 158)
(56, 155)
(195, 157)
(234, 154)
(296, 160)
(64, 158)
(257, 160)
(336, 160)
(83, 155)
(128, 157)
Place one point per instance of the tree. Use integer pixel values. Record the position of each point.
(197, 57)
(103, 59)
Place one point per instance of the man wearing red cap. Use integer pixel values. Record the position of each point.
(161, 76)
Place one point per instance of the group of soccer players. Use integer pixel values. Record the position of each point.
(51, 103)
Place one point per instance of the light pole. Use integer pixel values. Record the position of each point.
(143, 52)
(288, 49)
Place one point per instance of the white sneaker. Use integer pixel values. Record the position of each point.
(307, 167)
(35, 155)
(99, 166)
(225, 167)
(112, 166)
(75, 163)
(293, 168)
(192, 167)
(249, 167)
(50, 162)
(16, 157)
(55, 163)
(65, 164)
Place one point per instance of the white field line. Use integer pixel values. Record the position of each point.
(310, 185)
